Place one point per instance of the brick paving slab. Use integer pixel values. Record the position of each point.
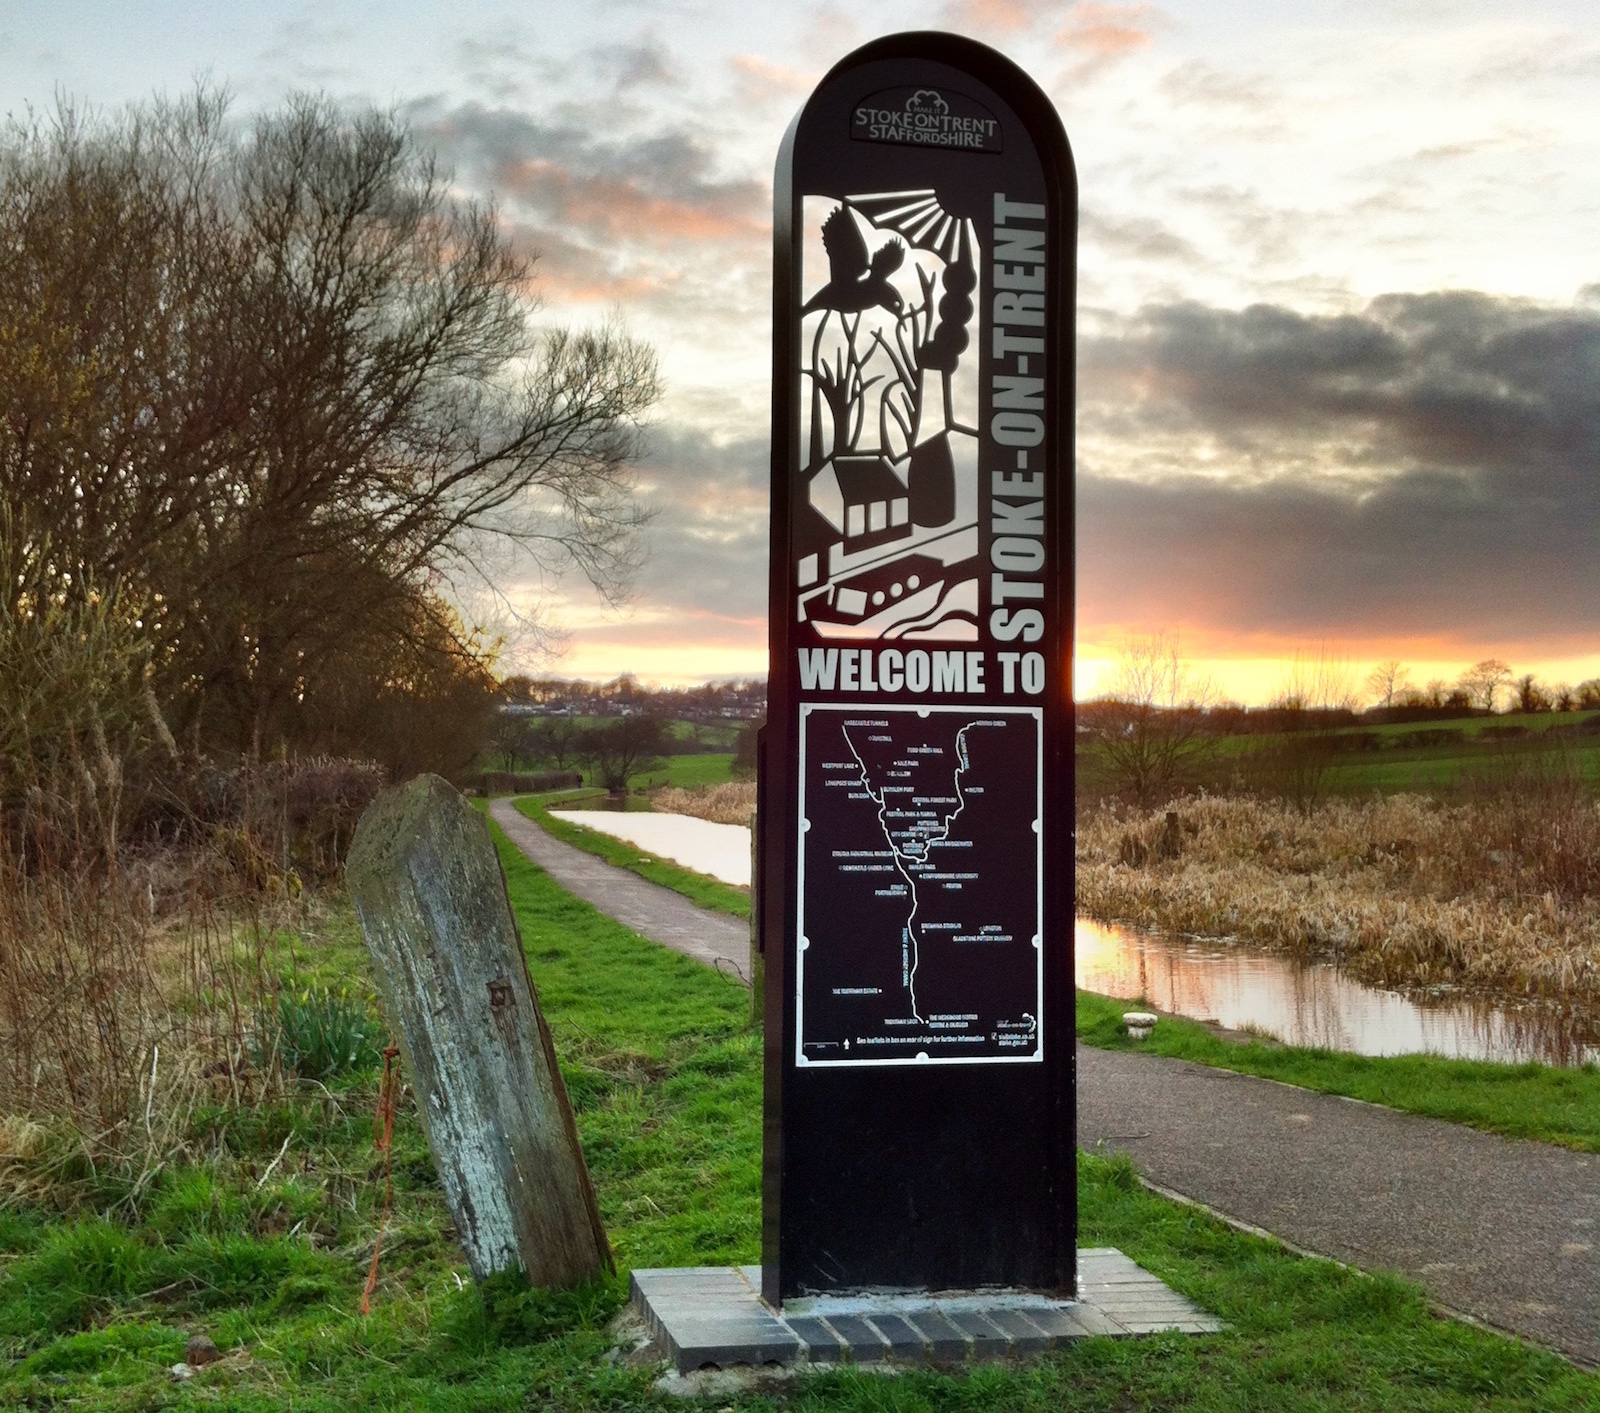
(1501, 1230)
(652, 911)
(708, 1316)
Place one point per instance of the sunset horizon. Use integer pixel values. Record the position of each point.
(1338, 323)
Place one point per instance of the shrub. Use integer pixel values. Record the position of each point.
(322, 1035)
(309, 808)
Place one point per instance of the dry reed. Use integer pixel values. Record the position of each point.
(1498, 891)
(732, 803)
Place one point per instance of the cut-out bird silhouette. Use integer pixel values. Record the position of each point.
(854, 282)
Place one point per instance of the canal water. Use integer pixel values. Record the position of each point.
(722, 850)
(1314, 1003)
(1238, 986)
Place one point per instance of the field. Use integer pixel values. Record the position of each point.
(264, 1243)
(686, 772)
(1429, 756)
(1488, 746)
(680, 772)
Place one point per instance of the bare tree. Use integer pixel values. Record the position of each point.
(557, 740)
(512, 736)
(1319, 678)
(1483, 681)
(281, 386)
(1151, 728)
(1530, 695)
(1388, 680)
(1316, 681)
(1433, 695)
(624, 747)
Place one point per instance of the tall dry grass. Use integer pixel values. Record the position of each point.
(732, 803)
(140, 976)
(142, 889)
(1498, 890)
(116, 1023)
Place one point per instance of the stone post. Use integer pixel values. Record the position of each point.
(433, 906)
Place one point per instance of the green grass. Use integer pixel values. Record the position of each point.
(1472, 725)
(1542, 1102)
(710, 768)
(665, 1079)
(1394, 769)
(699, 888)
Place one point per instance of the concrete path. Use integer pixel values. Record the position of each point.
(1506, 1232)
(652, 911)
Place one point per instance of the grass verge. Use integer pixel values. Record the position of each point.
(698, 888)
(1534, 1101)
(666, 1084)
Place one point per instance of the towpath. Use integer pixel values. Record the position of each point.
(663, 916)
(1504, 1231)
(1500, 1231)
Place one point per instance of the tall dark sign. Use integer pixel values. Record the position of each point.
(916, 866)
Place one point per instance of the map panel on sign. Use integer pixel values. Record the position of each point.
(920, 895)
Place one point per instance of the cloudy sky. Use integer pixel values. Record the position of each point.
(1339, 286)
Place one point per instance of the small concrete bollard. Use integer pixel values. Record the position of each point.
(1139, 1023)
(432, 902)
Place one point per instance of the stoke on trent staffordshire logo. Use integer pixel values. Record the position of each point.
(925, 117)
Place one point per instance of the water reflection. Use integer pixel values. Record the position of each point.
(1313, 1003)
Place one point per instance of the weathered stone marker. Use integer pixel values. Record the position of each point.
(432, 901)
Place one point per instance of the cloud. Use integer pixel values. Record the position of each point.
(699, 600)
(640, 219)
(647, 62)
(762, 81)
(1203, 85)
(656, 188)
(1100, 35)
(1136, 236)
(707, 545)
(1534, 55)
(1425, 470)
(995, 16)
(1430, 465)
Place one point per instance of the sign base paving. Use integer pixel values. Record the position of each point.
(713, 1316)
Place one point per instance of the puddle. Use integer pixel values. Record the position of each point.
(1314, 1003)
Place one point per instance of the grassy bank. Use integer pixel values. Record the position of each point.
(1520, 1101)
(665, 1081)
(699, 888)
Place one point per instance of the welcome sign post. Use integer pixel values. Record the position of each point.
(916, 850)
